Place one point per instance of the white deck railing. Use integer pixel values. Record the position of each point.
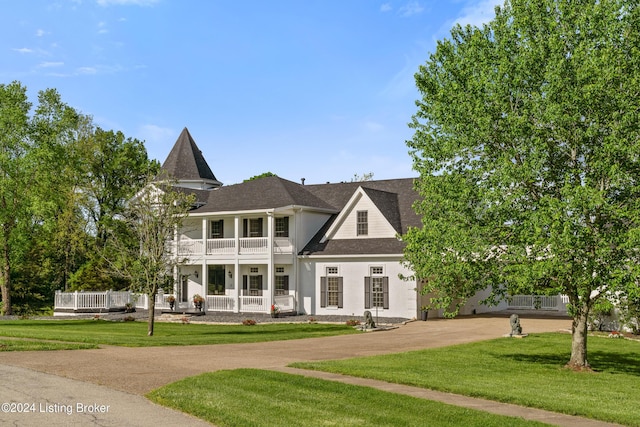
(91, 300)
(541, 302)
(116, 300)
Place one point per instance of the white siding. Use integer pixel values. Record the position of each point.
(378, 225)
(309, 224)
(402, 294)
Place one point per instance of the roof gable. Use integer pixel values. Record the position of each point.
(393, 200)
(345, 225)
(185, 162)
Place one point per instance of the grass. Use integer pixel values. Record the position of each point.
(39, 345)
(527, 372)
(134, 334)
(248, 397)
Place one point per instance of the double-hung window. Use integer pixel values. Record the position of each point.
(331, 288)
(281, 282)
(217, 229)
(282, 227)
(362, 223)
(376, 289)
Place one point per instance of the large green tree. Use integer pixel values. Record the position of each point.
(113, 170)
(33, 156)
(527, 142)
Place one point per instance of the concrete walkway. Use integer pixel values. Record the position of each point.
(117, 373)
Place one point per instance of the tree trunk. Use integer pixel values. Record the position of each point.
(579, 339)
(152, 311)
(5, 282)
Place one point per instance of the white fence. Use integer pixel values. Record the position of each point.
(541, 302)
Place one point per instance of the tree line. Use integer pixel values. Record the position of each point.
(64, 188)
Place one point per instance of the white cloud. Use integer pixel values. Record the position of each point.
(23, 50)
(386, 7)
(40, 32)
(86, 70)
(105, 3)
(411, 8)
(476, 13)
(102, 28)
(50, 64)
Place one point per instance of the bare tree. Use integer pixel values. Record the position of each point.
(144, 257)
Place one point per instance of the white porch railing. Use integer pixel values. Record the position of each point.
(221, 246)
(527, 302)
(255, 304)
(220, 303)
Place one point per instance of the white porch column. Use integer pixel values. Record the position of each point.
(270, 276)
(237, 280)
(205, 281)
(205, 234)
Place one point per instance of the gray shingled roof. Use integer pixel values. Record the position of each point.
(262, 193)
(186, 162)
(393, 197)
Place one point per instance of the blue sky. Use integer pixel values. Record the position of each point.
(320, 89)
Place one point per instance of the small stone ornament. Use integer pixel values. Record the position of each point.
(516, 328)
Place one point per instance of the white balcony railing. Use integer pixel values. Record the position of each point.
(247, 246)
(188, 247)
(221, 246)
(254, 245)
(282, 246)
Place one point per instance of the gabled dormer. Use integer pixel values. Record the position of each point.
(186, 164)
(368, 214)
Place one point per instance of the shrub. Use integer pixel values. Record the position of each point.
(353, 322)
(248, 322)
(129, 319)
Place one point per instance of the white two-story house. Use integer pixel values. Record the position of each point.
(313, 249)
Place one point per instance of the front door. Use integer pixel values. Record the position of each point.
(184, 289)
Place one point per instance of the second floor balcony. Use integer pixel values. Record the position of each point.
(232, 246)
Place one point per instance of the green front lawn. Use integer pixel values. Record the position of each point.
(249, 397)
(527, 372)
(134, 334)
